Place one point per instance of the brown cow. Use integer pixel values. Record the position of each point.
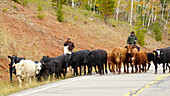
(130, 52)
(118, 57)
(138, 59)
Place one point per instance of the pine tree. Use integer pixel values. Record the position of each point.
(106, 8)
(59, 14)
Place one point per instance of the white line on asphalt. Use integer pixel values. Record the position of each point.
(66, 81)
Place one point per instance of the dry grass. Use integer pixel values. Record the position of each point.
(9, 88)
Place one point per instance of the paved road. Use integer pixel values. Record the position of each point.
(144, 84)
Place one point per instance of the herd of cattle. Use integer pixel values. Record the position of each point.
(99, 59)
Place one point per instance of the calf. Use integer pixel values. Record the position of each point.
(50, 68)
(14, 59)
(76, 60)
(61, 59)
(138, 59)
(118, 57)
(25, 69)
(130, 52)
(161, 56)
(97, 57)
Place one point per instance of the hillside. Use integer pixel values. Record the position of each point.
(25, 35)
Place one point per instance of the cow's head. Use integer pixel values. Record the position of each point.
(13, 59)
(18, 68)
(87, 58)
(158, 53)
(117, 56)
(129, 49)
(45, 59)
(38, 67)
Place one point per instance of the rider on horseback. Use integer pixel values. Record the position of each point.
(132, 39)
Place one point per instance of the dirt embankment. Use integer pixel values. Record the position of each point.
(27, 36)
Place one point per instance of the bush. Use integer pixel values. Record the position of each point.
(75, 18)
(16, 1)
(59, 14)
(40, 10)
(4, 10)
(40, 16)
(24, 2)
(140, 36)
(157, 30)
(14, 6)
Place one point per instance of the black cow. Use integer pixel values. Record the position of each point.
(162, 56)
(98, 58)
(14, 59)
(76, 60)
(150, 57)
(48, 69)
(61, 59)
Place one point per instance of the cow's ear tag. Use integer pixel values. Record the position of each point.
(162, 53)
(121, 55)
(154, 53)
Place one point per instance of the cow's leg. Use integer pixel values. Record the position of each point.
(132, 67)
(65, 71)
(80, 70)
(29, 78)
(140, 67)
(113, 67)
(89, 69)
(156, 67)
(145, 66)
(127, 67)
(75, 69)
(136, 68)
(84, 69)
(99, 68)
(10, 72)
(124, 65)
(109, 67)
(163, 67)
(19, 79)
(119, 65)
(106, 67)
(95, 68)
(102, 67)
(167, 66)
(149, 64)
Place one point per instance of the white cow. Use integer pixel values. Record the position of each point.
(27, 69)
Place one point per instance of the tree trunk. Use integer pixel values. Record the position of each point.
(73, 3)
(163, 10)
(131, 13)
(152, 11)
(105, 19)
(149, 21)
(143, 15)
(117, 11)
(94, 6)
(90, 5)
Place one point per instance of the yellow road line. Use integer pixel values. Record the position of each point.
(159, 76)
(136, 92)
